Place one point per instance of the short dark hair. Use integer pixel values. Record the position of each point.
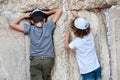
(38, 16)
(79, 32)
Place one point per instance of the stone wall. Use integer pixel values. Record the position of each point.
(14, 46)
(114, 23)
(89, 4)
(13, 52)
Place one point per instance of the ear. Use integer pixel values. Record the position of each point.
(44, 20)
(32, 21)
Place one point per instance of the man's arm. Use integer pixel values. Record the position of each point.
(15, 23)
(67, 40)
(57, 13)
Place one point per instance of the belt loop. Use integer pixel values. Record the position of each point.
(42, 57)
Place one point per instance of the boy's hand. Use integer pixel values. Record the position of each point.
(74, 13)
(67, 40)
(67, 35)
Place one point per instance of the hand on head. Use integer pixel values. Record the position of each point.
(27, 15)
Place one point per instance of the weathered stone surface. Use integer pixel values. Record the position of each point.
(118, 2)
(13, 52)
(14, 46)
(2, 1)
(65, 63)
(3, 72)
(114, 24)
(22, 5)
(88, 4)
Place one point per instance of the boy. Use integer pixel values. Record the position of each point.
(83, 44)
(41, 43)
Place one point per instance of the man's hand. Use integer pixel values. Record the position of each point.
(27, 15)
(56, 14)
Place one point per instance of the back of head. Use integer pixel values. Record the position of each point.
(80, 27)
(37, 16)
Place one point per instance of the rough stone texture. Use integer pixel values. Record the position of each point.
(14, 46)
(13, 52)
(114, 24)
(3, 74)
(118, 2)
(88, 4)
(22, 5)
(65, 63)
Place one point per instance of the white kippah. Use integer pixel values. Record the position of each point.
(81, 23)
(36, 10)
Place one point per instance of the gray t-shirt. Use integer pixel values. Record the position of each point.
(41, 43)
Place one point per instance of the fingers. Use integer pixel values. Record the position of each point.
(74, 13)
(27, 15)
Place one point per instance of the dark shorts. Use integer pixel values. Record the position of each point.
(40, 68)
(94, 75)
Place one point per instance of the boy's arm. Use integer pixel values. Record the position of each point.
(15, 23)
(67, 40)
(57, 13)
(74, 13)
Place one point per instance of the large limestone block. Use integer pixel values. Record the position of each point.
(22, 5)
(65, 63)
(3, 72)
(1, 1)
(118, 2)
(114, 24)
(88, 4)
(13, 52)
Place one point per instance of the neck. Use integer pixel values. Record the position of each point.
(39, 24)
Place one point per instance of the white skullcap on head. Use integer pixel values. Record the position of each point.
(81, 23)
(36, 10)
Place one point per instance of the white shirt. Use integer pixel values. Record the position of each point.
(85, 53)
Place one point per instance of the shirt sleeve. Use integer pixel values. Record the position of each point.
(50, 24)
(26, 28)
(72, 45)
